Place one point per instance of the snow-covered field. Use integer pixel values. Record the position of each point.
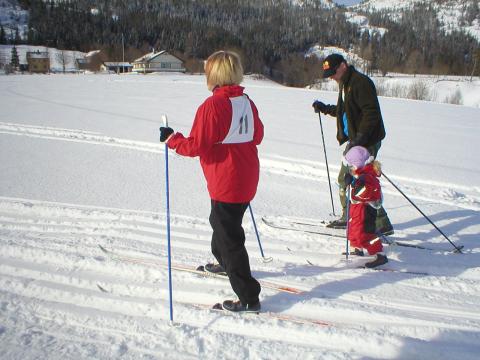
(81, 166)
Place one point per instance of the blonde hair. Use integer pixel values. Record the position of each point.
(377, 166)
(223, 68)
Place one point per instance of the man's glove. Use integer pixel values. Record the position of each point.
(165, 133)
(348, 179)
(319, 106)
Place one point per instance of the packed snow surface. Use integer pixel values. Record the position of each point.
(81, 166)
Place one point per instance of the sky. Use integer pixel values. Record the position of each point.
(81, 166)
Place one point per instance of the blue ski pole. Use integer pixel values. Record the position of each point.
(258, 237)
(348, 221)
(165, 122)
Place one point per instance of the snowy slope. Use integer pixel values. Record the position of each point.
(450, 13)
(80, 166)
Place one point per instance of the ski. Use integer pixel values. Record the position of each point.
(218, 308)
(302, 227)
(194, 270)
(312, 228)
(418, 273)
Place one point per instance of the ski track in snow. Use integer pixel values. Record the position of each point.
(429, 191)
(51, 266)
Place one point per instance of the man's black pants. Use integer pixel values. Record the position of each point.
(228, 247)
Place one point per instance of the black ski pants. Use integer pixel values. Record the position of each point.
(228, 247)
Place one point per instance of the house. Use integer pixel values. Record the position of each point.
(158, 62)
(91, 61)
(38, 61)
(117, 67)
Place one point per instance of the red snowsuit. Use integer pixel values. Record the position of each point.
(365, 198)
(225, 135)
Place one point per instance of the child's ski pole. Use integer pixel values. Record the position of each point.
(458, 249)
(348, 218)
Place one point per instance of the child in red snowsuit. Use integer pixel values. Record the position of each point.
(365, 198)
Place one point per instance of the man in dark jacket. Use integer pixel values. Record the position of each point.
(359, 122)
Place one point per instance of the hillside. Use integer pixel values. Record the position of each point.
(453, 15)
(272, 37)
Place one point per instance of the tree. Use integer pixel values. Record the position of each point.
(414, 62)
(476, 60)
(15, 62)
(63, 58)
(3, 36)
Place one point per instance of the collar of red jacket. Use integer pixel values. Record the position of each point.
(229, 90)
(369, 168)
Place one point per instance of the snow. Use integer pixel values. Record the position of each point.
(80, 165)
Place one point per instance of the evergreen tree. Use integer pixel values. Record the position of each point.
(3, 36)
(15, 62)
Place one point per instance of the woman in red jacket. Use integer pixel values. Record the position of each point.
(225, 134)
(365, 199)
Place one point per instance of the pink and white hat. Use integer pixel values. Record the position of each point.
(358, 156)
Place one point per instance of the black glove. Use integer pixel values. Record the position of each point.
(359, 140)
(165, 132)
(359, 185)
(319, 106)
(348, 178)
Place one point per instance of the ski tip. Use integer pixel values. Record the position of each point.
(200, 268)
(102, 248)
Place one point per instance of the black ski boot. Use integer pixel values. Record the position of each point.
(356, 252)
(379, 260)
(237, 306)
(215, 269)
(338, 224)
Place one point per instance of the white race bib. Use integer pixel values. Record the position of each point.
(242, 125)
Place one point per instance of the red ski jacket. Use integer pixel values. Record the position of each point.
(225, 134)
(365, 197)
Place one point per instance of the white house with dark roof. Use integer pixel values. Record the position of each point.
(158, 62)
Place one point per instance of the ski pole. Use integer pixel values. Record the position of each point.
(348, 221)
(165, 122)
(326, 162)
(258, 237)
(458, 249)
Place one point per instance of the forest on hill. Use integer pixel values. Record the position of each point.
(271, 35)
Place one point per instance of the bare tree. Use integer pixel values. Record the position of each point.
(63, 58)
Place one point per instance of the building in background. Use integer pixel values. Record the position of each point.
(38, 61)
(158, 62)
(117, 67)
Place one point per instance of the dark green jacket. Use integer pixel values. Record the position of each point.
(365, 124)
